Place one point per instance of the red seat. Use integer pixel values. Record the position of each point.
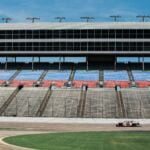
(90, 84)
(1, 82)
(143, 84)
(47, 83)
(112, 84)
(25, 83)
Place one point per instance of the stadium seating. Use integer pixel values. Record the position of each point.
(63, 103)
(112, 84)
(47, 83)
(1, 82)
(116, 75)
(25, 83)
(143, 84)
(137, 102)
(5, 75)
(28, 75)
(86, 75)
(100, 103)
(57, 75)
(26, 103)
(141, 75)
(5, 92)
(90, 84)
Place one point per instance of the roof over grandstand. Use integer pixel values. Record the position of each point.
(75, 25)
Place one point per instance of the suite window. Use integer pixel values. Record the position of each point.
(126, 34)
(42, 44)
(98, 34)
(63, 34)
(70, 44)
(2, 36)
(84, 33)
(56, 34)
(56, 44)
(77, 34)
(119, 34)
(147, 34)
(112, 34)
(132, 33)
(76, 44)
(140, 46)
(104, 33)
(140, 34)
(91, 34)
(28, 44)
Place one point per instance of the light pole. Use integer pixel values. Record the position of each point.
(32, 19)
(60, 19)
(87, 18)
(6, 20)
(143, 17)
(115, 17)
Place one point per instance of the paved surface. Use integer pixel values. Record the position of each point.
(5, 146)
(33, 126)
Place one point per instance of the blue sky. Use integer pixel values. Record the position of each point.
(73, 9)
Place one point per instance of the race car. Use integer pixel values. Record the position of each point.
(128, 124)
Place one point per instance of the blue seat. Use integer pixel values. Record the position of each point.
(29, 75)
(5, 75)
(141, 75)
(57, 75)
(116, 75)
(86, 75)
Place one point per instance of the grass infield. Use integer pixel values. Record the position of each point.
(84, 141)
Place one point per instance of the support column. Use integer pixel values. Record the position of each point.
(32, 63)
(138, 59)
(143, 64)
(6, 63)
(15, 60)
(87, 64)
(115, 64)
(39, 59)
(63, 59)
(59, 63)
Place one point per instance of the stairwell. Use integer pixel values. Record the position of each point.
(130, 75)
(71, 77)
(44, 102)
(8, 82)
(41, 78)
(81, 106)
(120, 104)
(9, 100)
(101, 78)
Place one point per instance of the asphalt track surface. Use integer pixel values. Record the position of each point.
(11, 127)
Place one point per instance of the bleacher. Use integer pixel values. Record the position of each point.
(5, 75)
(63, 103)
(26, 103)
(57, 75)
(5, 92)
(137, 102)
(29, 75)
(100, 103)
(110, 78)
(113, 78)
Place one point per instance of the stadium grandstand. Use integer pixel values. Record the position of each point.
(75, 69)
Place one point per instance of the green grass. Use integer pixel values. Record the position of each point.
(84, 141)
